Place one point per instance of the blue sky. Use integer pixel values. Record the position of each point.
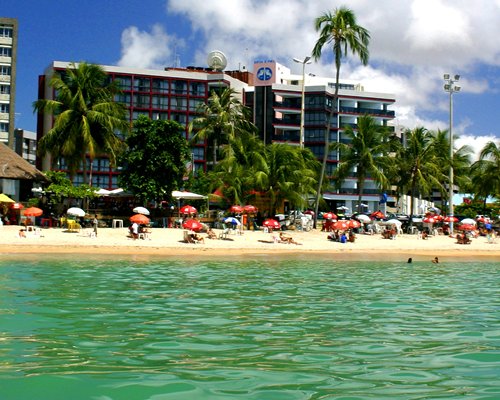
(412, 44)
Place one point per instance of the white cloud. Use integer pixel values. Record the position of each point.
(141, 49)
(412, 44)
(477, 143)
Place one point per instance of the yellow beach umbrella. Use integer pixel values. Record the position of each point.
(5, 199)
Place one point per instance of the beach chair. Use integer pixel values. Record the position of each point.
(224, 233)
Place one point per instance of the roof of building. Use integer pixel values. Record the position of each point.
(13, 166)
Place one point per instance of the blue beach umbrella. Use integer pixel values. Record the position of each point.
(232, 220)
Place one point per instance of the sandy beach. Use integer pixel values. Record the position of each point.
(170, 243)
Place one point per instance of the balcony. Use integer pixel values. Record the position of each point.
(370, 111)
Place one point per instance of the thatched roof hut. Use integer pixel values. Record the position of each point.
(13, 166)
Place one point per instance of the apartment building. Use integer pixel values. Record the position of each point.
(8, 58)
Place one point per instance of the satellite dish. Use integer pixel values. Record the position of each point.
(217, 60)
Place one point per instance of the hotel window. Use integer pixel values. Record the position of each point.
(136, 114)
(4, 126)
(4, 89)
(124, 82)
(194, 104)
(5, 70)
(197, 89)
(159, 115)
(160, 102)
(179, 87)
(178, 103)
(4, 108)
(142, 84)
(160, 86)
(198, 153)
(141, 101)
(180, 118)
(123, 98)
(6, 32)
(5, 52)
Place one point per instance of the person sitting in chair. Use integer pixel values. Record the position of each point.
(211, 234)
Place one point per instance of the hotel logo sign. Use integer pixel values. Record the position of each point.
(264, 72)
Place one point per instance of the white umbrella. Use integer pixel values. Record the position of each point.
(187, 195)
(468, 221)
(141, 210)
(394, 221)
(363, 218)
(78, 212)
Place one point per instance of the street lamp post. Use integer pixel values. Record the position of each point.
(306, 60)
(451, 87)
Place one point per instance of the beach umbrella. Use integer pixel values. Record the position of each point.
(353, 223)
(309, 212)
(139, 219)
(394, 222)
(341, 225)
(5, 199)
(33, 212)
(377, 214)
(450, 219)
(16, 206)
(430, 219)
(250, 209)
(468, 221)
(363, 218)
(329, 215)
(78, 212)
(192, 224)
(236, 209)
(232, 220)
(187, 209)
(271, 223)
(466, 227)
(483, 220)
(141, 210)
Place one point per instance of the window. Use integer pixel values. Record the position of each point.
(141, 101)
(142, 84)
(5, 52)
(5, 70)
(4, 126)
(194, 104)
(198, 153)
(124, 82)
(159, 115)
(160, 102)
(180, 87)
(160, 86)
(4, 108)
(178, 103)
(4, 89)
(6, 32)
(123, 98)
(180, 118)
(197, 89)
(136, 114)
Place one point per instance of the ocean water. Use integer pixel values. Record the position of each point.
(262, 329)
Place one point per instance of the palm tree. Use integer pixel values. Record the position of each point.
(86, 117)
(341, 31)
(419, 167)
(485, 172)
(367, 152)
(222, 118)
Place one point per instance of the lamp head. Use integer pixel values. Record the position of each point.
(457, 77)
(446, 77)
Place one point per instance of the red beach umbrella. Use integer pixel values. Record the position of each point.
(377, 214)
(187, 209)
(466, 227)
(193, 225)
(250, 209)
(236, 209)
(341, 225)
(450, 219)
(33, 212)
(329, 215)
(430, 219)
(16, 206)
(271, 223)
(353, 223)
(139, 219)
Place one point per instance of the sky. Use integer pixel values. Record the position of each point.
(413, 43)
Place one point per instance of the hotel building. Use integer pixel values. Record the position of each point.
(271, 91)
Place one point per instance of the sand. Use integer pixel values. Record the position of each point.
(170, 243)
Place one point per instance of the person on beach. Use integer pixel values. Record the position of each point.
(287, 239)
(22, 233)
(435, 260)
(95, 224)
(135, 230)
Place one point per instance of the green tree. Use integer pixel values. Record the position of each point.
(221, 120)
(367, 152)
(86, 117)
(340, 30)
(154, 163)
(486, 173)
(419, 168)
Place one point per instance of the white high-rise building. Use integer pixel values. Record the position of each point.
(8, 58)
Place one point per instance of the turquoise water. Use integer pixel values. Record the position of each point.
(262, 329)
